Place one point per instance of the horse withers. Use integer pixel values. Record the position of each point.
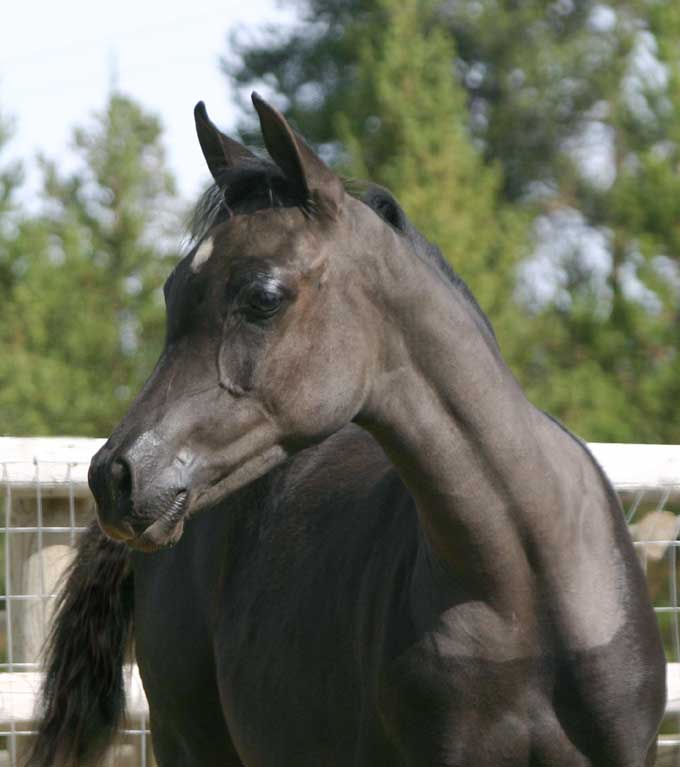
(341, 532)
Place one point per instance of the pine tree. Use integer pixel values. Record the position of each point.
(10, 180)
(83, 322)
(411, 137)
(10, 174)
(530, 70)
(605, 359)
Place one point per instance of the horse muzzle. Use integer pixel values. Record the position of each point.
(166, 530)
(146, 514)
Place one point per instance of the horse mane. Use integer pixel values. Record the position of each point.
(259, 184)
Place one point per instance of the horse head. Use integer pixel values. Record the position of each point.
(266, 348)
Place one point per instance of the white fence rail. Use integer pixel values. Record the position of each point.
(47, 504)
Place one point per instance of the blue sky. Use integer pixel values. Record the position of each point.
(58, 60)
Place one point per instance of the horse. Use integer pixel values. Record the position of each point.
(338, 530)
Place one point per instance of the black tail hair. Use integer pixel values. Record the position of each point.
(83, 694)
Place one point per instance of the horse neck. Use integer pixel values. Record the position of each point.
(492, 477)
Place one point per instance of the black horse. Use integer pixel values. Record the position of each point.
(399, 560)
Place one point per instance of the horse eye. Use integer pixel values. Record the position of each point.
(262, 302)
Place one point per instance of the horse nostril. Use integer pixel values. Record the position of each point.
(121, 477)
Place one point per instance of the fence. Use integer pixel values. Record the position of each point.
(46, 503)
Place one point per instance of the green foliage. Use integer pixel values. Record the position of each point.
(10, 175)
(530, 71)
(10, 179)
(411, 137)
(82, 320)
(623, 347)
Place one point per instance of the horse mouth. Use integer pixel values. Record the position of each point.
(246, 471)
(166, 530)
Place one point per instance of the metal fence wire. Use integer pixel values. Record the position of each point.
(46, 505)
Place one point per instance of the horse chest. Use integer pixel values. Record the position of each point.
(289, 690)
(295, 689)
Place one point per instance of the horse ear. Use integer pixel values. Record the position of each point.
(311, 178)
(220, 151)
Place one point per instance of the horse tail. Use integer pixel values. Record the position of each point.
(82, 699)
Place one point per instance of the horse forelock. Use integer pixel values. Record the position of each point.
(246, 188)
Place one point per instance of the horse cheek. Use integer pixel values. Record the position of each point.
(318, 405)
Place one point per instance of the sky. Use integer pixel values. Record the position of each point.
(59, 60)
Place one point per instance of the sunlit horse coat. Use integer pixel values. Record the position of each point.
(393, 558)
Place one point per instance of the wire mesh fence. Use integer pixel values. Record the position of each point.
(653, 516)
(45, 506)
